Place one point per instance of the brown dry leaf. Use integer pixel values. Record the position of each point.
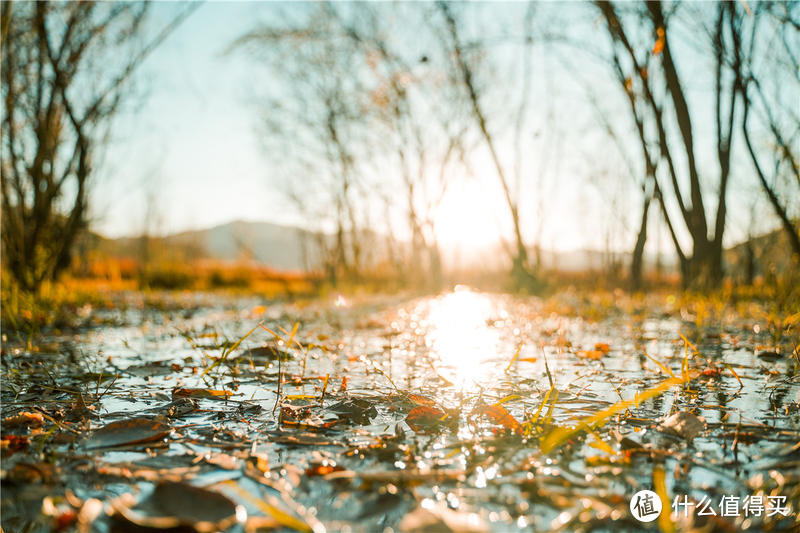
(500, 416)
(419, 399)
(684, 425)
(126, 432)
(173, 504)
(202, 393)
(424, 417)
(603, 347)
(14, 443)
(25, 418)
(323, 469)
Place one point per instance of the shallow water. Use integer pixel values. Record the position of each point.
(338, 466)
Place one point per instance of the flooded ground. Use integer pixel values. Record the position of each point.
(465, 411)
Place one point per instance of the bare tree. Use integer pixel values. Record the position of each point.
(465, 73)
(312, 126)
(59, 96)
(704, 265)
(782, 135)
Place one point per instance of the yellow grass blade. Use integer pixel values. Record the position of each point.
(557, 437)
(541, 405)
(663, 367)
(659, 484)
(600, 445)
(741, 385)
(509, 398)
(513, 359)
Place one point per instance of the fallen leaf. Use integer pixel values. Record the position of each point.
(24, 418)
(500, 416)
(323, 469)
(174, 504)
(424, 417)
(419, 399)
(202, 393)
(357, 410)
(590, 354)
(126, 432)
(14, 442)
(602, 347)
(684, 425)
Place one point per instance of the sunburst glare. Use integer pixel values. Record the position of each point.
(460, 337)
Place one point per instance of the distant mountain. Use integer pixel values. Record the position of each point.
(292, 248)
(281, 247)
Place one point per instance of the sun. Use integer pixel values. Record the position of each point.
(467, 219)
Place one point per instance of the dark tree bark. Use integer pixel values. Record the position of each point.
(53, 120)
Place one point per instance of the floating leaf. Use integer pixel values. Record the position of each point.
(25, 418)
(425, 417)
(499, 415)
(201, 393)
(127, 432)
(419, 399)
(602, 347)
(174, 505)
(357, 410)
(684, 425)
(323, 469)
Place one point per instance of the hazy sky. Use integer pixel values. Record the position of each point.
(189, 142)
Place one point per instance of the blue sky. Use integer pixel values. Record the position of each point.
(189, 141)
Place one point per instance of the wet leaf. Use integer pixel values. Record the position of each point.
(684, 425)
(323, 469)
(418, 399)
(25, 418)
(266, 353)
(202, 393)
(425, 417)
(602, 347)
(770, 355)
(357, 410)
(499, 415)
(174, 504)
(14, 442)
(128, 432)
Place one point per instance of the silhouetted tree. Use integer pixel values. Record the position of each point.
(62, 83)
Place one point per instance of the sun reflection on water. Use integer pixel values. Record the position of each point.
(460, 337)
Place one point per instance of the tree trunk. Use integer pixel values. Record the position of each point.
(637, 262)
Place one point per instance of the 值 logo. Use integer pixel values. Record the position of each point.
(645, 506)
